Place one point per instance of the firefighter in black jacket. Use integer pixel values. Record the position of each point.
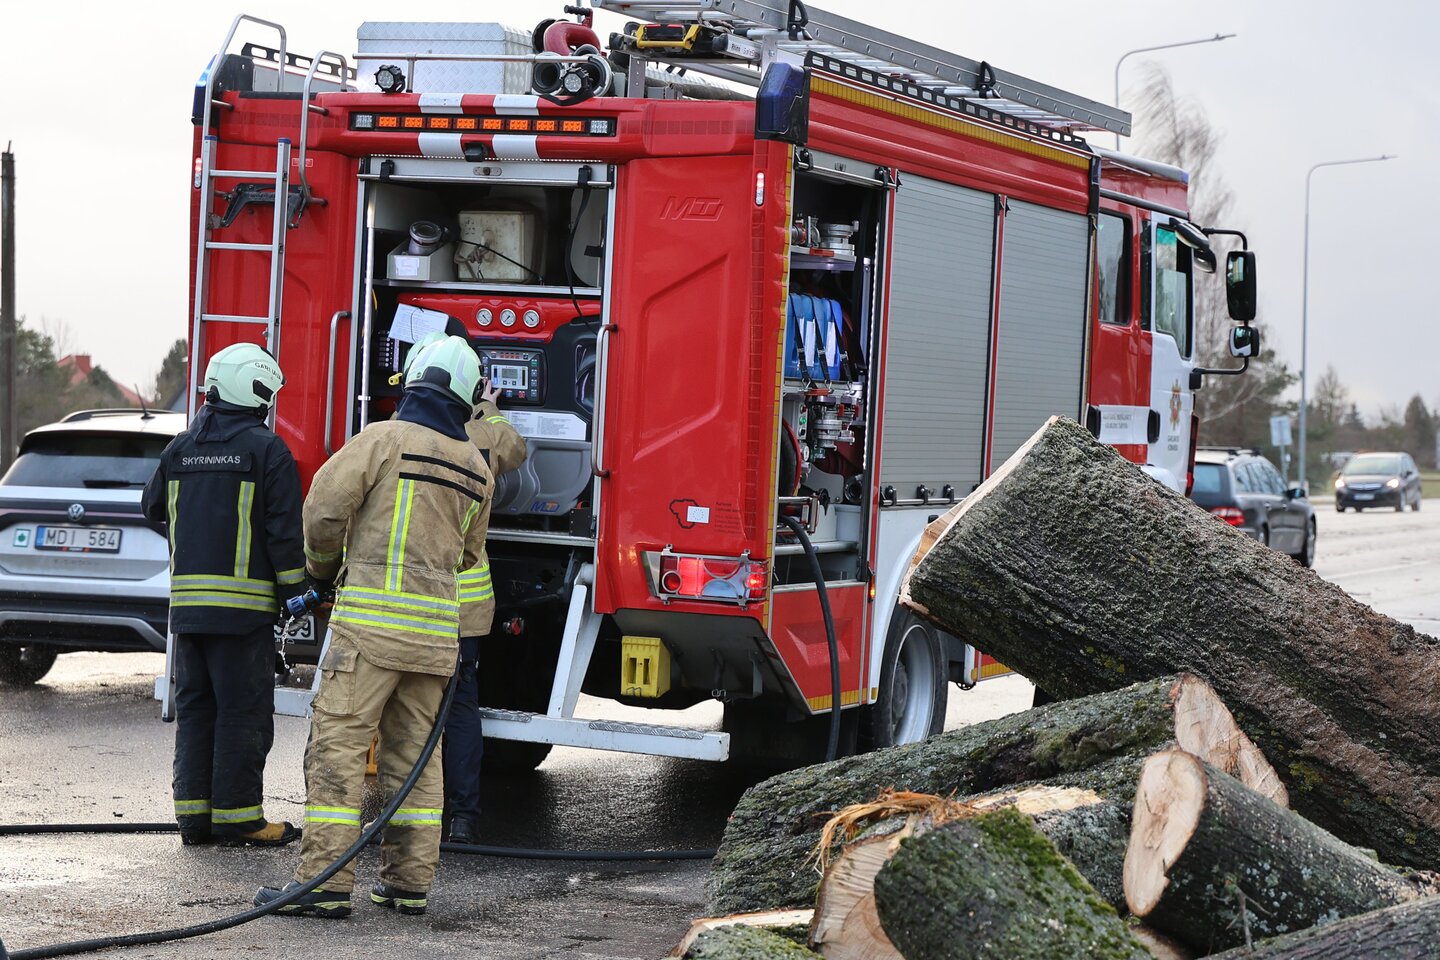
(230, 492)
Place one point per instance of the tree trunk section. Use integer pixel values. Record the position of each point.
(1208, 857)
(1077, 570)
(1410, 931)
(793, 925)
(992, 886)
(742, 942)
(762, 860)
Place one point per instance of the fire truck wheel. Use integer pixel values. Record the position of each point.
(22, 664)
(911, 704)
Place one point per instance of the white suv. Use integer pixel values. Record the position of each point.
(80, 566)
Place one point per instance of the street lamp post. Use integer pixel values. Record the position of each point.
(1305, 296)
(1164, 46)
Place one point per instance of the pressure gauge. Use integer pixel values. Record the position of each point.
(532, 318)
(507, 317)
(484, 317)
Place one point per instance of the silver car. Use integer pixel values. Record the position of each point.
(80, 566)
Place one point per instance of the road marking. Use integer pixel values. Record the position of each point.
(1362, 573)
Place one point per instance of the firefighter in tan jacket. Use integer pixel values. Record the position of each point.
(406, 504)
(504, 449)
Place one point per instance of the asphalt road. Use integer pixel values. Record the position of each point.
(86, 745)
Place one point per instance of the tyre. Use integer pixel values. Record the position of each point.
(1339, 508)
(1419, 499)
(911, 703)
(768, 736)
(22, 664)
(1265, 536)
(1306, 556)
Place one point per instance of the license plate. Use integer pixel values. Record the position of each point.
(303, 631)
(78, 539)
(1364, 496)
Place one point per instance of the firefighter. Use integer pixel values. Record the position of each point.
(405, 504)
(504, 450)
(230, 492)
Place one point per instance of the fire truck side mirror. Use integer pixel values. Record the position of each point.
(1245, 342)
(1240, 286)
(782, 104)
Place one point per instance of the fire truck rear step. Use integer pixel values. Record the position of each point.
(618, 735)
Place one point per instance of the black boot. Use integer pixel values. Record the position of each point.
(404, 901)
(330, 904)
(462, 830)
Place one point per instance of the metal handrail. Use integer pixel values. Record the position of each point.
(335, 319)
(307, 106)
(220, 59)
(602, 361)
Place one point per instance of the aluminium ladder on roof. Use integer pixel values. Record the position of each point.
(888, 54)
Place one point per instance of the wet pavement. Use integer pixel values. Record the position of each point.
(85, 745)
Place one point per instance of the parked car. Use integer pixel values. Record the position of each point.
(1378, 480)
(1245, 490)
(80, 566)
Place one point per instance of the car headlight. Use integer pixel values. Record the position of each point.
(1339, 483)
(1393, 482)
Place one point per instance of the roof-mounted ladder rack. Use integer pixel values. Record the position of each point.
(767, 23)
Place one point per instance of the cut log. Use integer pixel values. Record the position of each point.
(741, 942)
(1410, 931)
(1082, 573)
(1161, 946)
(762, 861)
(992, 886)
(1208, 857)
(793, 925)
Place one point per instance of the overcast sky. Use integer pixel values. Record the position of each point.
(97, 106)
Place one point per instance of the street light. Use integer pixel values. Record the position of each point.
(1164, 46)
(1305, 293)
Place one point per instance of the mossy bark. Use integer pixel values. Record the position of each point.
(1093, 839)
(1077, 570)
(994, 887)
(1410, 931)
(1244, 862)
(740, 942)
(761, 863)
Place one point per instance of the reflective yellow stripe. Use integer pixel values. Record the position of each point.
(191, 808)
(173, 488)
(237, 814)
(234, 601)
(289, 578)
(468, 598)
(205, 581)
(438, 604)
(318, 814)
(399, 531)
(417, 817)
(363, 619)
(243, 504)
(320, 557)
(496, 420)
(401, 616)
(469, 519)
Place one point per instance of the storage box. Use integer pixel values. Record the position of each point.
(498, 245)
(439, 264)
(456, 39)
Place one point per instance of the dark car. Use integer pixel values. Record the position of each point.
(1378, 480)
(1245, 490)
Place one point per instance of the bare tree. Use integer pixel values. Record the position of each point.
(1176, 130)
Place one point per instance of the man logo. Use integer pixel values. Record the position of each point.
(705, 209)
(76, 512)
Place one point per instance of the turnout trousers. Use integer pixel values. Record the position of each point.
(224, 728)
(464, 745)
(356, 700)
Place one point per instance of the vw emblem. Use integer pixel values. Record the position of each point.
(77, 512)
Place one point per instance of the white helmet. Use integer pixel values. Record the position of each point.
(244, 374)
(449, 364)
(416, 348)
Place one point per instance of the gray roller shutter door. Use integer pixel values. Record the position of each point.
(1041, 339)
(938, 338)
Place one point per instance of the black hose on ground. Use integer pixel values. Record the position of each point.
(255, 913)
(832, 749)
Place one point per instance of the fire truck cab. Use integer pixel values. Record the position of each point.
(780, 285)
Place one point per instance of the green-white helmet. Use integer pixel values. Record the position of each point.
(434, 336)
(244, 374)
(450, 365)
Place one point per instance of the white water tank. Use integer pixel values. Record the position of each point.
(380, 42)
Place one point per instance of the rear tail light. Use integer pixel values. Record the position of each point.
(688, 576)
(1231, 515)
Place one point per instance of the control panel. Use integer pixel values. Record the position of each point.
(518, 372)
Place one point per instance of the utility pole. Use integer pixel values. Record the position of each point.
(9, 364)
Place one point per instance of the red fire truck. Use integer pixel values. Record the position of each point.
(739, 267)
